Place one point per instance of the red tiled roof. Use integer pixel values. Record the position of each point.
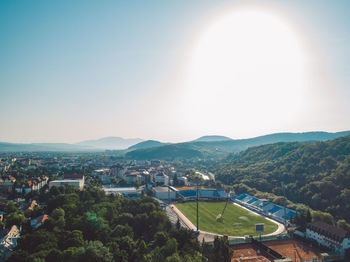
(329, 231)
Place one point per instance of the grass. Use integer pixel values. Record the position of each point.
(236, 220)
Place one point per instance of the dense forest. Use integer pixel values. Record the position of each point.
(91, 226)
(315, 174)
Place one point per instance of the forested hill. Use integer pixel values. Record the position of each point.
(207, 147)
(316, 174)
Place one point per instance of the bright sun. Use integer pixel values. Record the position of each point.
(248, 65)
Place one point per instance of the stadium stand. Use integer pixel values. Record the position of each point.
(188, 193)
(265, 207)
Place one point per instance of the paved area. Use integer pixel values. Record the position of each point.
(249, 253)
(173, 216)
(294, 249)
(209, 237)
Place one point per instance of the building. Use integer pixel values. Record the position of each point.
(6, 183)
(190, 193)
(128, 192)
(336, 239)
(133, 177)
(9, 242)
(161, 179)
(37, 222)
(77, 183)
(31, 185)
(183, 180)
(164, 193)
(118, 171)
(103, 175)
(74, 177)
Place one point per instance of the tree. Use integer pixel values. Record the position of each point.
(222, 250)
(14, 219)
(10, 207)
(94, 251)
(178, 224)
(342, 224)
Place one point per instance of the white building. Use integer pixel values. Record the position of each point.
(329, 236)
(164, 193)
(128, 192)
(77, 183)
(118, 171)
(103, 175)
(161, 179)
(183, 180)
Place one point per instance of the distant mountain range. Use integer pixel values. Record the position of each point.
(147, 144)
(212, 139)
(203, 147)
(217, 149)
(111, 143)
(43, 147)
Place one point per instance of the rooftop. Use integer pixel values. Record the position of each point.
(329, 231)
(160, 189)
(119, 189)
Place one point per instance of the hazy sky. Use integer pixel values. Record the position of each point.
(172, 70)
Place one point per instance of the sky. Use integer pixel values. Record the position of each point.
(172, 70)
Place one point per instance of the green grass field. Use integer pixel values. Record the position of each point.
(236, 220)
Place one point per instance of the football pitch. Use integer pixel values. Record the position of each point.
(236, 220)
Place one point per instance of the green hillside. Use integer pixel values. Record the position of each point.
(316, 174)
(220, 149)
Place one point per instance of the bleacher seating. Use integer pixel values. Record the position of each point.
(274, 209)
(264, 206)
(252, 200)
(241, 196)
(247, 198)
(222, 193)
(206, 193)
(188, 193)
(268, 206)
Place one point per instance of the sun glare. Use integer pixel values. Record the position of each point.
(248, 65)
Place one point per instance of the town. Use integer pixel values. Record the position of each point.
(25, 176)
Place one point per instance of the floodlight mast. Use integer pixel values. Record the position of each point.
(285, 203)
(197, 208)
(168, 194)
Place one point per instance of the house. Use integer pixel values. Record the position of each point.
(183, 180)
(103, 175)
(31, 185)
(336, 239)
(9, 241)
(32, 205)
(6, 183)
(133, 177)
(118, 171)
(161, 179)
(37, 222)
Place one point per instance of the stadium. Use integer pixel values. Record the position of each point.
(238, 214)
(241, 216)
